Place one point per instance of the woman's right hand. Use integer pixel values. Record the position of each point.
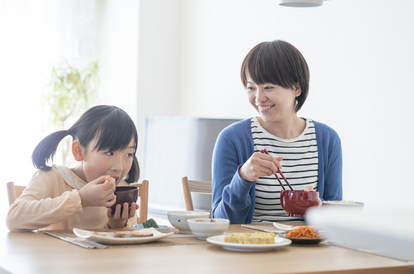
(98, 193)
(259, 165)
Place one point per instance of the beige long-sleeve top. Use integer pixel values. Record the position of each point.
(51, 201)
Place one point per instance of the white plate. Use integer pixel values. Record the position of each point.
(113, 240)
(160, 228)
(343, 203)
(219, 240)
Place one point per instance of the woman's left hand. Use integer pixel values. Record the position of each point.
(117, 220)
(310, 188)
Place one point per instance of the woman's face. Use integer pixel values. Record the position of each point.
(105, 162)
(273, 102)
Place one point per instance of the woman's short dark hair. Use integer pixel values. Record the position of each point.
(280, 63)
(111, 126)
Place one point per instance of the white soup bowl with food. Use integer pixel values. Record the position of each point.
(203, 228)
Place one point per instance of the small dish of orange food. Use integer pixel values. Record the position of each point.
(303, 235)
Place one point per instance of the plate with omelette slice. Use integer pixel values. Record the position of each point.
(249, 242)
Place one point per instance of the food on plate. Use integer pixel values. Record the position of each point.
(211, 221)
(124, 234)
(150, 223)
(308, 232)
(250, 238)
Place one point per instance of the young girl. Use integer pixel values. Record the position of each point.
(276, 79)
(60, 198)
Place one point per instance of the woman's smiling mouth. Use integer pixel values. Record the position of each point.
(264, 108)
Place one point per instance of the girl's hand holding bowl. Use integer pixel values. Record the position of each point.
(118, 219)
(125, 206)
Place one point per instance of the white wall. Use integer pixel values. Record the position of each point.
(119, 55)
(159, 61)
(360, 56)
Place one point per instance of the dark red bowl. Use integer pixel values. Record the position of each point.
(296, 202)
(125, 194)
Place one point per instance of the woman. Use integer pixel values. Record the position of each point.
(245, 190)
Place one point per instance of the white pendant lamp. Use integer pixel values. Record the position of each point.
(301, 3)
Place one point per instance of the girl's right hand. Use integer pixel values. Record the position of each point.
(259, 165)
(98, 193)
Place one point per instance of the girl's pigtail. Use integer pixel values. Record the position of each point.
(46, 149)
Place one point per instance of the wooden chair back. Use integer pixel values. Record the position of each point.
(189, 186)
(143, 188)
(14, 191)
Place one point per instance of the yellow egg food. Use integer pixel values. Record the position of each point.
(250, 238)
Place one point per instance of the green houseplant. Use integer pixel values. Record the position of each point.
(70, 92)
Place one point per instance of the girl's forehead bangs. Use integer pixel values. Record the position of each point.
(115, 135)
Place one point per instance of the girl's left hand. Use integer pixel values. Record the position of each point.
(117, 220)
(310, 188)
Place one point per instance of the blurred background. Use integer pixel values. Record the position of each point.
(181, 58)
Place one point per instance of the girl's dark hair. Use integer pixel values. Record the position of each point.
(277, 62)
(110, 125)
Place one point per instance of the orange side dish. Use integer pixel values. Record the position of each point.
(304, 232)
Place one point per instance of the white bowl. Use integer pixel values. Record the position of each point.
(203, 228)
(178, 219)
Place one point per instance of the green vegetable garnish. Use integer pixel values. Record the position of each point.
(150, 223)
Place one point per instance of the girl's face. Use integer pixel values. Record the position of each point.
(105, 162)
(273, 102)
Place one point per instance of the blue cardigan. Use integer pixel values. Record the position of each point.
(234, 198)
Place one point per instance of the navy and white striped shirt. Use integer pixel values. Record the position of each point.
(300, 167)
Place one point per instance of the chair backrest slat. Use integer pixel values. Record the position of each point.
(14, 191)
(200, 186)
(189, 186)
(143, 201)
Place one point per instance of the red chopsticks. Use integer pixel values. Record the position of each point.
(283, 176)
